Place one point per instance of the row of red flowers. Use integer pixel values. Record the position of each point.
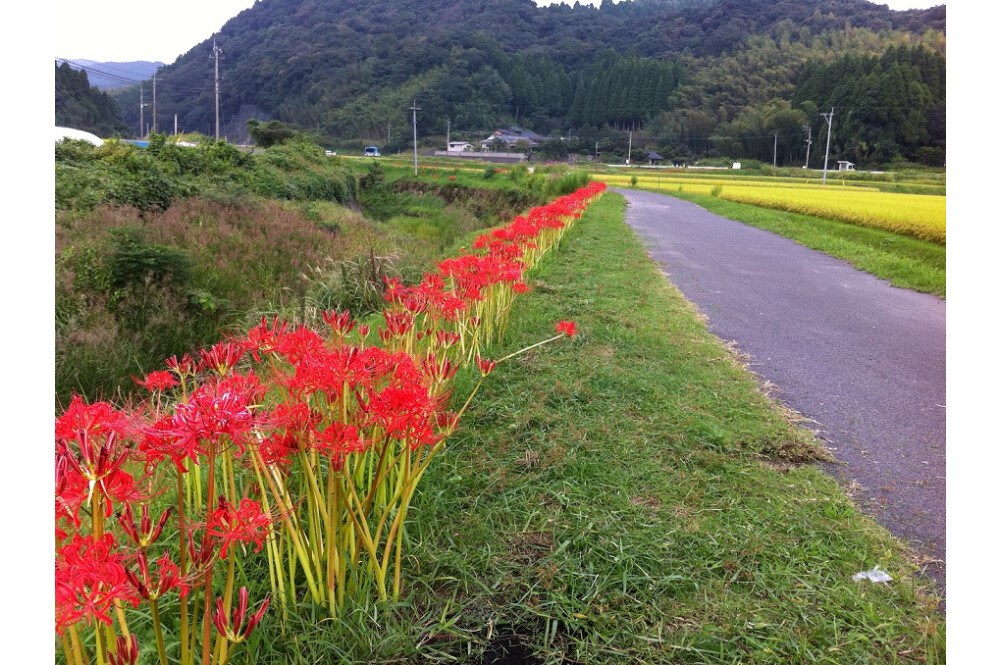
(303, 444)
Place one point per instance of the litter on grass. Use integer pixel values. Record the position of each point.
(875, 575)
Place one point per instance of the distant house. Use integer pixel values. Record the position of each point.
(459, 146)
(845, 166)
(505, 139)
(654, 158)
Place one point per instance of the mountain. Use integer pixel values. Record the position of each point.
(349, 69)
(114, 75)
(81, 106)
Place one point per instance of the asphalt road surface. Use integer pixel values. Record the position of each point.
(862, 359)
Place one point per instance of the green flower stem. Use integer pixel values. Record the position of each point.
(291, 527)
(274, 568)
(182, 528)
(102, 654)
(528, 348)
(206, 633)
(364, 534)
(158, 629)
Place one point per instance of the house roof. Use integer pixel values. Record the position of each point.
(653, 155)
(512, 134)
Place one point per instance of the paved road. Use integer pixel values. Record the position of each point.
(864, 360)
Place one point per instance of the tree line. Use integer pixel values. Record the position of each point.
(694, 76)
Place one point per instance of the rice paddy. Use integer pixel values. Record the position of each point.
(915, 215)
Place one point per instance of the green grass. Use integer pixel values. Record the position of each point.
(904, 262)
(627, 496)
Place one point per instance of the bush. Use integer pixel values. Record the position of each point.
(567, 184)
(133, 260)
(356, 285)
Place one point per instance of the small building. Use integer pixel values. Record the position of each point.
(845, 166)
(507, 137)
(459, 146)
(654, 159)
(77, 135)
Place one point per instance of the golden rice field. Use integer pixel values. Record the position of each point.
(916, 215)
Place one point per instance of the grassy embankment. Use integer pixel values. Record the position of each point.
(904, 261)
(162, 250)
(629, 496)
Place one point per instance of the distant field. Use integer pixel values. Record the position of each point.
(916, 215)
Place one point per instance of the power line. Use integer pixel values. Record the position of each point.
(93, 70)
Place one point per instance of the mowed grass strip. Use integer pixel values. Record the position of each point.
(626, 496)
(631, 496)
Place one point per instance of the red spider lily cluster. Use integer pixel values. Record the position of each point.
(301, 445)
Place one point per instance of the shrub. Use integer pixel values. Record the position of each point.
(356, 285)
(134, 260)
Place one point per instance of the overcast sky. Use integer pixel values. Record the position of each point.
(124, 30)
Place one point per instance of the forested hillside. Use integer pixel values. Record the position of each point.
(690, 74)
(80, 106)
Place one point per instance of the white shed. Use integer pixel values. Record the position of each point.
(845, 166)
(77, 135)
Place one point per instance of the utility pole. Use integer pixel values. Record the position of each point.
(388, 138)
(414, 109)
(175, 124)
(775, 162)
(809, 142)
(154, 101)
(629, 160)
(142, 107)
(448, 140)
(216, 52)
(829, 128)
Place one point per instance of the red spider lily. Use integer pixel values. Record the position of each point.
(145, 534)
(94, 420)
(236, 631)
(212, 413)
(398, 323)
(159, 380)
(243, 524)
(89, 578)
(341, 322)
(126, 651)
(339, 440)
(566, 327)
(328, 372)
(93, 442)
(277, 449)
(183, 368)
(299, 343)
(447, 338)
(405, 412)
(159, 441)
(222, 357)
(521, 287)
(167, 578)
(439, 372)
(485, 366)
(263, 338)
